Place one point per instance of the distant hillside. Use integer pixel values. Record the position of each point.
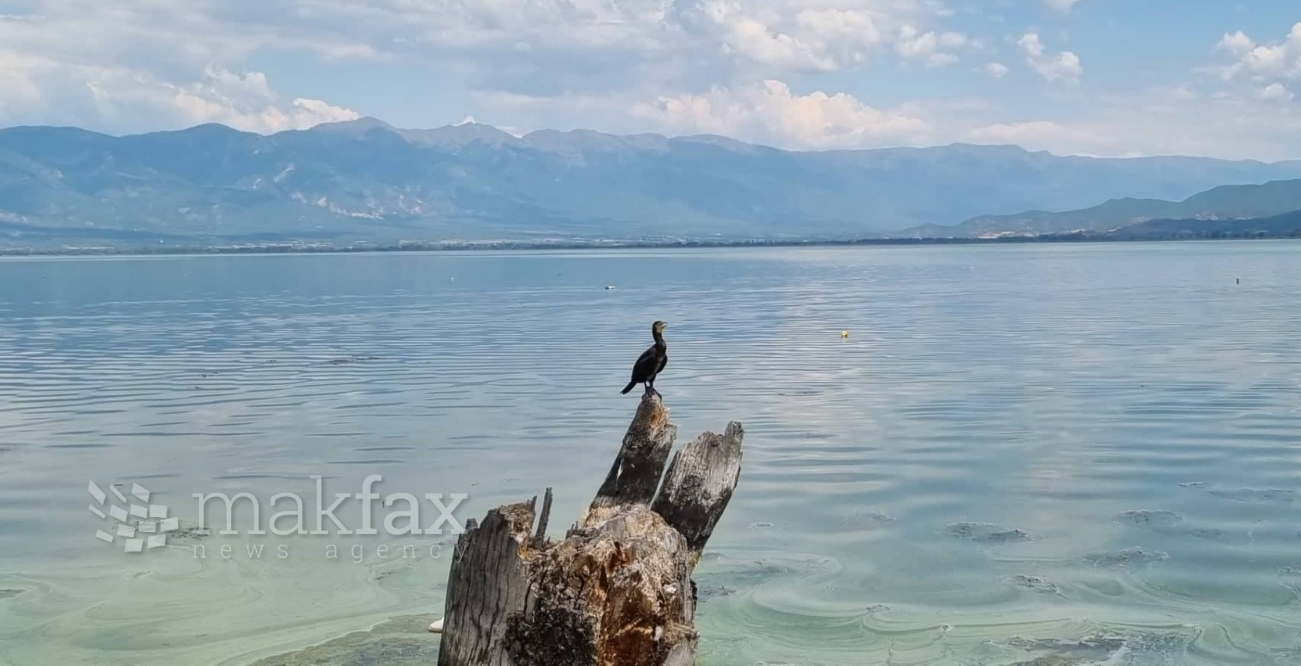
(1285, 225)
(1225, 202)
(367, 181)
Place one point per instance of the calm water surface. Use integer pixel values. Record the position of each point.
(1091, 451)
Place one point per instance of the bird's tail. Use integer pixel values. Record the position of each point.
(628, 388)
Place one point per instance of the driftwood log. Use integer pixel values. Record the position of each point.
(617, 591)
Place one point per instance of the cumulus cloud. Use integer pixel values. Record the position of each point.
(138, 67)
(772, 71)
(37, 90)
(1262, 62)
(1064, 66)
(243, 101)
(1236, 43)
(1063, 6)
(754, 40)
(1275, 92)
(825, 35)
(525, 47)
(771, 111)
(929, 47)
(994, 70)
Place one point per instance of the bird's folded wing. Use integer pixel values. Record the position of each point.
(645, 362)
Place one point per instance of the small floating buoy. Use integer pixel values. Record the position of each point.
(844, 334)
(436, 627)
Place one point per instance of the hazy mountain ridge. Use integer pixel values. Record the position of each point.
(367, 181)
(1226, 202)
(1275, 226)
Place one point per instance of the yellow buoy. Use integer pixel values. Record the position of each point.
(844, 334)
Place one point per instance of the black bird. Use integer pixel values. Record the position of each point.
(651, 361)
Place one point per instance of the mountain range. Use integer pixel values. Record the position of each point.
(365, 181)
(1227, 202)
(1275, 226)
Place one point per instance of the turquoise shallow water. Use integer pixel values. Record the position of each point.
(1091, 451)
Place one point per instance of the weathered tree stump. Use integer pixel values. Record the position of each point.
(617, 591)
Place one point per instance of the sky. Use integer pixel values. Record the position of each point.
(1090, 77)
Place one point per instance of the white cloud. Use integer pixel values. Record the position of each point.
(771, 112)
(824, 35)
(1275, 92)
(800, 34)
(996, 70)
(928, 47)
(35, 90)
(1063, 6)
(1064, 66)
(1237, 43)
(623, 66)
(758, 42)
(243, 101)
(1262, 62)
(17, 78)
(142, 66)
(526, 47)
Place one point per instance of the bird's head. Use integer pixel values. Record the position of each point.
(658, 327)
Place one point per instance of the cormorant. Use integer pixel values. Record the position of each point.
(651, 361)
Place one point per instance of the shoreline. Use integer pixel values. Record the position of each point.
(571, 245)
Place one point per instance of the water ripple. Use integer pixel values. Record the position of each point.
(1019, 453)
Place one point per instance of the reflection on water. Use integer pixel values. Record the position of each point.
(1070, 454)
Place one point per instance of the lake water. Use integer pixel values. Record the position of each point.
(1091, 451)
